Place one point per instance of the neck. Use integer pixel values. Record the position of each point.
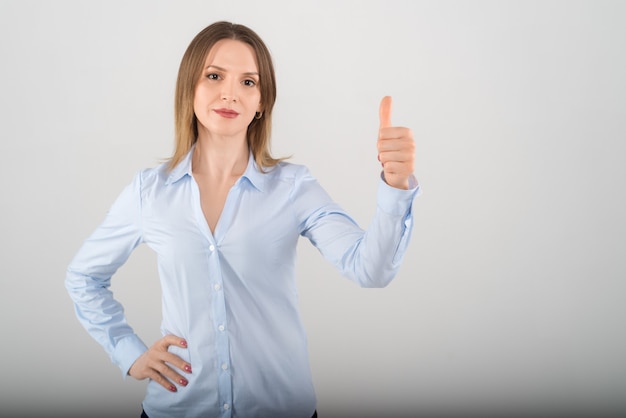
(220, 157)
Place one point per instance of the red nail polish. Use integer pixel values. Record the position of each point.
(188, 368)
(173, 388)
(183, 343)
(183, 382)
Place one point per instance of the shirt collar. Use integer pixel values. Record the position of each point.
(252, 174)
(181, 169)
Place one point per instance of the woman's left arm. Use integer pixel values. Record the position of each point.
(373, 257)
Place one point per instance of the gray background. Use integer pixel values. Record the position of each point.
(511, 297)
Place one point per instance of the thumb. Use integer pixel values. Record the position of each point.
(385, 112)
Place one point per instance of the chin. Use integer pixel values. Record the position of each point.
(233, 133)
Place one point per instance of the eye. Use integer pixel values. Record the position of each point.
(213, 76)
(249, 83)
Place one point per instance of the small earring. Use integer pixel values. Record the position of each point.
(258, 115)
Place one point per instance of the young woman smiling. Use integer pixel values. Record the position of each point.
(224, 218)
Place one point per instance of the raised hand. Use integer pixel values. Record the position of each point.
(396, 149)
(153, 364)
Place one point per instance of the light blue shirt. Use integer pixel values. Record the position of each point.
(232, 293)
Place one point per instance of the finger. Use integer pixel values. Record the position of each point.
(176, 361)
(172, 340)
(170, 374)
(161, 380)
(388, 144)
(399, 167)
(384, 112)
(395, 132)
(397, 156)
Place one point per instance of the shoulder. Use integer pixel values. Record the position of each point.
(151, 178)
(158, 174)
(302, 185)
(288, 171)
(284, 177)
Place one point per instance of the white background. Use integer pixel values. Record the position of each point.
(512, 296)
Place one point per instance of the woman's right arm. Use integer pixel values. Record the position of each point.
(89, 278)
(88, 281)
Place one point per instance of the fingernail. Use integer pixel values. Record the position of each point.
(183, 343)
(173, 388)
(183, 382)
(188, 368)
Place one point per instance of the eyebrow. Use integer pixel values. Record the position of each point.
(224, 69)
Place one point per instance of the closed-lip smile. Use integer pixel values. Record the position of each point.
(226, 113)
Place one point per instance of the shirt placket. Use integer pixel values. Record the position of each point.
(218, 307)
(223, 362)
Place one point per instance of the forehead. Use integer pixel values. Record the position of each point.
(232, 55)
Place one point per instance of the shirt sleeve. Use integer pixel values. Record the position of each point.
(371, 257)
(89, 278)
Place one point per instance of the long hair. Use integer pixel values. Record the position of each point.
(189, 72)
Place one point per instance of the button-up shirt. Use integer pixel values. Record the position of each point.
(231, 294)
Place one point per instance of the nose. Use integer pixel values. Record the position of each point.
(229, 93)
(228, 97)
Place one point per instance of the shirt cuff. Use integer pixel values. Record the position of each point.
(397, 201)
(127, 351)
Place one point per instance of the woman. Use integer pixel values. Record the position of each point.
(224, 217)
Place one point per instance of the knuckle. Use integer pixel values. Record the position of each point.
(161, 367)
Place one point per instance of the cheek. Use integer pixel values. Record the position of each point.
(197, 109)
(195, 104)
(257, 102)
(197, 97)
(201, 99)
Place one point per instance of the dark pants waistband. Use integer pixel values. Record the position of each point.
(144, 415)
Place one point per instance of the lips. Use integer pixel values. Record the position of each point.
(226, 113)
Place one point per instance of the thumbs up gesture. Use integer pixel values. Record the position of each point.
(396, 149)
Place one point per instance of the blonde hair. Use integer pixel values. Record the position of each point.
(185, 121)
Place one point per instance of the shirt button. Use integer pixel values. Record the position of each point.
(212, 248)
(221, 327)
(226, 406)
(224, 366)
(217, 287)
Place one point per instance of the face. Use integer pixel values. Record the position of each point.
(227, 95)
